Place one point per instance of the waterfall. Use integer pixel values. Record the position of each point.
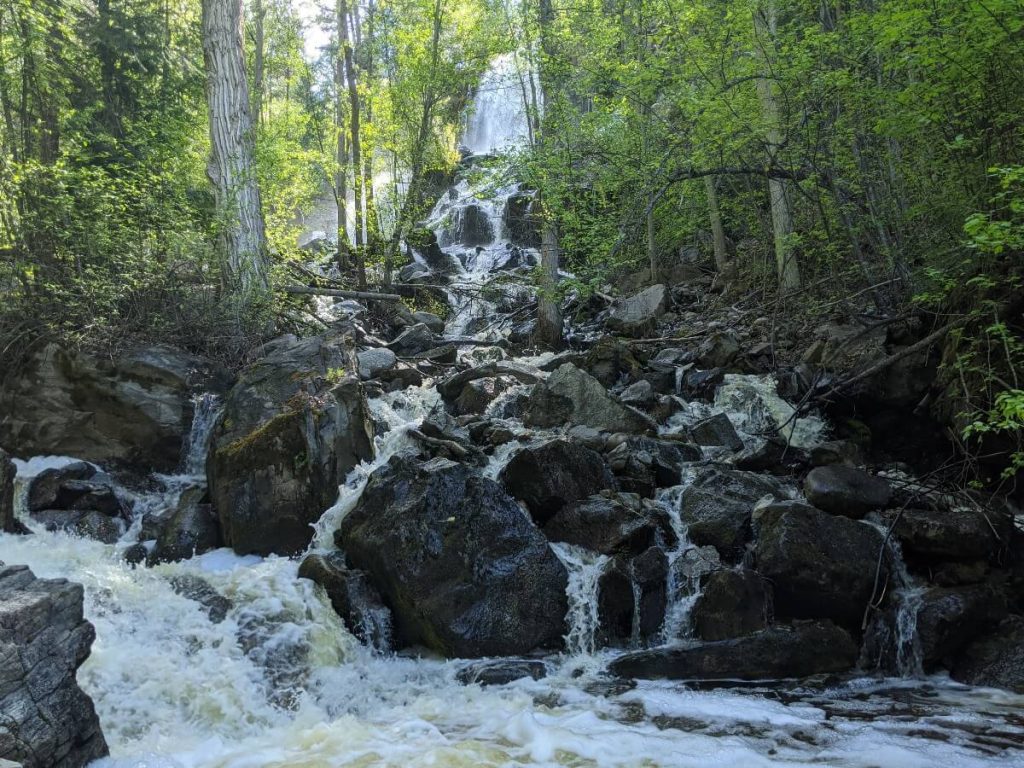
(206, 411)
(499, 120)
(585, 570)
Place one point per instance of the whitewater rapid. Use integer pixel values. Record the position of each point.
(280, 682)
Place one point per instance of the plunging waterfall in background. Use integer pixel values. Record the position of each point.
(499, 120)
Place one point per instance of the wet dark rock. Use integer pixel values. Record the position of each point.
(477, 395)
(271, 484)
(607, 523)
(402, 377)
(8, 522)
(950, 617)
(463, 569)
(649, 570)
(446, 354)
(44, 491)
(644, 464)
(47, 722)
(718, 504)
(835, 452)
(502, 671)
(429, 319)
(201, 591)
(951, 534)
(820, 566)
(716, 431)
(413, 341)
(134, 408)
(995, 659)
(135, 554)
(353, 598)
(629, 585)
(424, 241)
(701, 384)
(549, 476)
(842, 490)
(800, 650)
(615, 603)
(86, 523)
(522, 226)
(472, 226)
(374, 362)
(766, 454)
(638, 315)
(191, 529)
(732, 603)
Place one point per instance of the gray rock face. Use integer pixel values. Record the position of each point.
(842, 490)
(136, 408)
(570, 396)
(549, 476)
(374, 362)
(821, 566)
(731, 604)
(463, 569)
(286, 441)
(47, 721)
(413, 341)
(643, 464)
(639, 313)
(997, 659)
(718, 505)
(353, 598)
(8, 523)
(806, 648)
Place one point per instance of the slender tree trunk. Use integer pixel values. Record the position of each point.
(766, 25)
(372, 222)
(722, 262)
(341, 158)
(652, 246)
(549, 310)
(241, 237)
(356, 154)
(259, 54)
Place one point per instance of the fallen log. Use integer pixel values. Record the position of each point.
(367, 295)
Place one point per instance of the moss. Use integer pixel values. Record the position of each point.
(279, 437)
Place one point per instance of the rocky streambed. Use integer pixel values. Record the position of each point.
(405, 542)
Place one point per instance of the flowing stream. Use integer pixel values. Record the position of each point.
(280, 682)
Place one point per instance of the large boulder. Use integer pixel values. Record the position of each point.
(801, 650)
(413, 340)
(821, 566)
(607, 523)
(732, 603)
(717, 507)
(374, 362)
(950, 617)
(996, 659)
(47, 720)
(843, 490)
(553, 474)
(8, 522)
(455, 384)
(571, 396)
(293, 427)
(609, 360)
(632, 597)
(55, 488)
(271, 483)
(463, 569)
(638, 314)
(960, 533)
(521, 224)
(135, 408)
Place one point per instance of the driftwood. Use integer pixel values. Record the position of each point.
(367, 295)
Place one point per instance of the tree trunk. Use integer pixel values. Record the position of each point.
(241, 238)
(652, 246)
(722, 263)
(765, 25)
(341, 158)
(259, 55)
(549, 310)
(356, 154)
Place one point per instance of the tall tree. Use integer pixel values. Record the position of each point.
(345, 51)
(241, 235)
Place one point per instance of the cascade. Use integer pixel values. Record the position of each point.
(585, 569)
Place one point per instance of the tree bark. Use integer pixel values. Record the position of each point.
(356, 154)
(722, 262)
(241, 236)
(766, 26)
(259, 56)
